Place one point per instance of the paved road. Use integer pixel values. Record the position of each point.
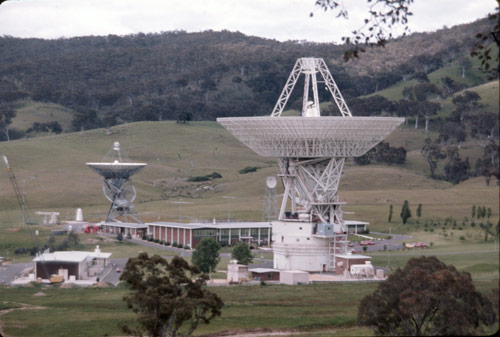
(10, 271)
(396, 242)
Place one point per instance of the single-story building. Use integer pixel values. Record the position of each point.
(75, 265)
(236, 273)
(265, 274)
(134, 229)
(354, 226)
(345, 261)
(226, 233)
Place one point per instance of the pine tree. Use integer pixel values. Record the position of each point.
(473, 211)
(419, 210)
(390, 214)
(405, 212)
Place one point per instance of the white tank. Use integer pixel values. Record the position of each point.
(296, 248)
(79, 215)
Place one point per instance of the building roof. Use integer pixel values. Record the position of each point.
(71, 256)
(125, 224)
(355, 222)
(263, 270)
(216, 225)
(353, 256)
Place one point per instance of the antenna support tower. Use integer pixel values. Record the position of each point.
(311, 150)
(117, 184)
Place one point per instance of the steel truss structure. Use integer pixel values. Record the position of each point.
(312, 149)
(310, 67)
(117, 186)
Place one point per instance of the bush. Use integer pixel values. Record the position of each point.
(187, 247)
(462, 238)
(198, 178)
(213, 175)
(179, 245)
(174, 244)
(167, 243)
(248, 169)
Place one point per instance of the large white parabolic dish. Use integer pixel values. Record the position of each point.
(310, 137)
(116, 169)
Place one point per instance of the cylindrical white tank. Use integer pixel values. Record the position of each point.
(296, 248)
(79, 215)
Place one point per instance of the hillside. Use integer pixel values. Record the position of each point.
(103, 81)
(52, 172)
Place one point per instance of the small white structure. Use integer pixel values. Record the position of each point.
(49, 221)
(79, 215)
(294, 277)
(363, 270)
(236, 273)
(81, 265)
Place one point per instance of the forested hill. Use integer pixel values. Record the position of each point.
(200, 76)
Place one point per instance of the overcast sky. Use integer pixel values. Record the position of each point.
(276, 19)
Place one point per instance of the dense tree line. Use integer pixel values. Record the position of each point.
(198, 76)
(383, 153)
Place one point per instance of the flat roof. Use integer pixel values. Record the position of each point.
(71, 256)
(211, 225)
(125, 224)
(353, 256)
(355, 222)
(263, 270)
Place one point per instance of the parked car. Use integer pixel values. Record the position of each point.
(420, 245)
(118, 270)
(350, 244)
(367, 243)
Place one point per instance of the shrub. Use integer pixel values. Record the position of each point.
(174, 244)
(179, 245)
(213, 175)
(248, 169)
(187, 247)
(167, 243)
(462, 238)
(198, 178)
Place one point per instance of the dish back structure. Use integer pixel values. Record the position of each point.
(311, 151)
(117, 184)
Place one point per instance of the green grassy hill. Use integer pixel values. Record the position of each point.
(473, 77)
(29, 112)
(52, 172)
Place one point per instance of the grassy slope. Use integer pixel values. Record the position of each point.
(30, 112)
(63, 182)
(473, 77)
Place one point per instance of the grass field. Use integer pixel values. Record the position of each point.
(30, 112)
(52, 173)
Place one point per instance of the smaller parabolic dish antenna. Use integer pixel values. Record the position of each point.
(116, 170)
(271, 182)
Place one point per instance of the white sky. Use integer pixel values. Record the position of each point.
(276, 19)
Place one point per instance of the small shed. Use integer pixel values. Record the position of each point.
(294, 277)
(73, 264)
(236, 273)
(265, 274)
(345, 261)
